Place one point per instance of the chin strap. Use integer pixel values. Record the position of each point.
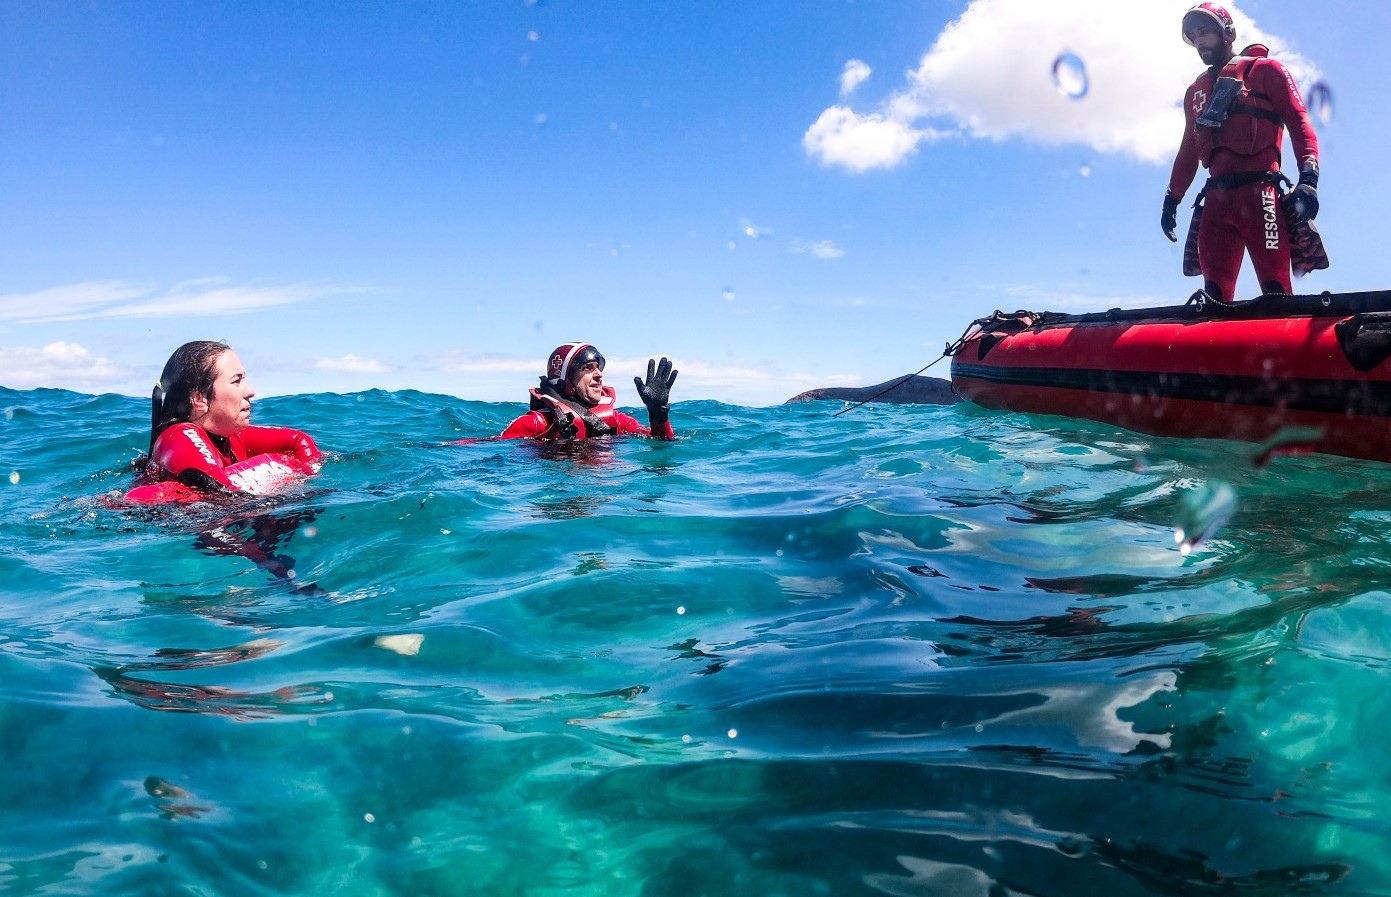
(156, 406)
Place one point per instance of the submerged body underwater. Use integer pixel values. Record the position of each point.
(906, 650)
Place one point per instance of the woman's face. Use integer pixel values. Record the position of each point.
(228, 411)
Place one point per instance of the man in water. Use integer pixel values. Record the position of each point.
(1235, 115)
(572, 401)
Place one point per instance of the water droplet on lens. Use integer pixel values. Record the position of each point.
(1321, 102)
(14, 476)
(728, 294)
(1070, 75)
(1203, 511)
(539, 118)
(733, 733)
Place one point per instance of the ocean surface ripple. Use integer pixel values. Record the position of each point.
(909, 650)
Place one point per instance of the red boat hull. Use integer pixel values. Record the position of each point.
(1307, 368)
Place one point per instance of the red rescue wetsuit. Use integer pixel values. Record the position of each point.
(1249, 215)
(187, 453)
(541, 422)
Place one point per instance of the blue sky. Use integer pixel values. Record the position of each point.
(777, 195)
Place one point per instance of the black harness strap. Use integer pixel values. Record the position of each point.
(547, 398)
(1242, 178)
(1255, 111)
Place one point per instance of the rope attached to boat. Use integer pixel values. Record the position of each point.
(951, 349)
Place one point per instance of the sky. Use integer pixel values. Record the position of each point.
(776, 195)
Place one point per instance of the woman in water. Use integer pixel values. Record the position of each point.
(201, 433)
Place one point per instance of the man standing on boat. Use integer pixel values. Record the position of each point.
(1235, 117)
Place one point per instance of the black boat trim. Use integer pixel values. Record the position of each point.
(1271, 305)
(1348, 397)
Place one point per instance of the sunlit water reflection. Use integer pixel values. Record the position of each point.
(907, 650)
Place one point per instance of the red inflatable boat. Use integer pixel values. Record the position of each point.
(1309, 372)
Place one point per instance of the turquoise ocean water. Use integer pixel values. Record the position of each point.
(903, 651)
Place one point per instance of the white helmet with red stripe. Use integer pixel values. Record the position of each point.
(567, 359)
(1209, 14)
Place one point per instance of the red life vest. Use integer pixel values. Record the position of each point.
(572, 419)
(257, 475)
(188, 464)
(1252, 124)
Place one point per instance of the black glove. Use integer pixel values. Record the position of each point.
(1168, 221)
(656, 392)
(1306, 195)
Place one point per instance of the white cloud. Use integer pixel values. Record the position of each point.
(507, 378)
(205, 297)
(76, 299)
(56, 364)
(855, 73)
(490, 364)
(822, 249)
(736, 382)
(841, 136)
(1033, 297)
(701, 375)
(990, 75)
(351, 364)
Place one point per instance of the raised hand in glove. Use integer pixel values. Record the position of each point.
(1168, 221)
(656, 392)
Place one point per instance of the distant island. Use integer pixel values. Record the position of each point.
(911, 390)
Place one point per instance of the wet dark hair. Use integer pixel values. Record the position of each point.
(192, 368)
